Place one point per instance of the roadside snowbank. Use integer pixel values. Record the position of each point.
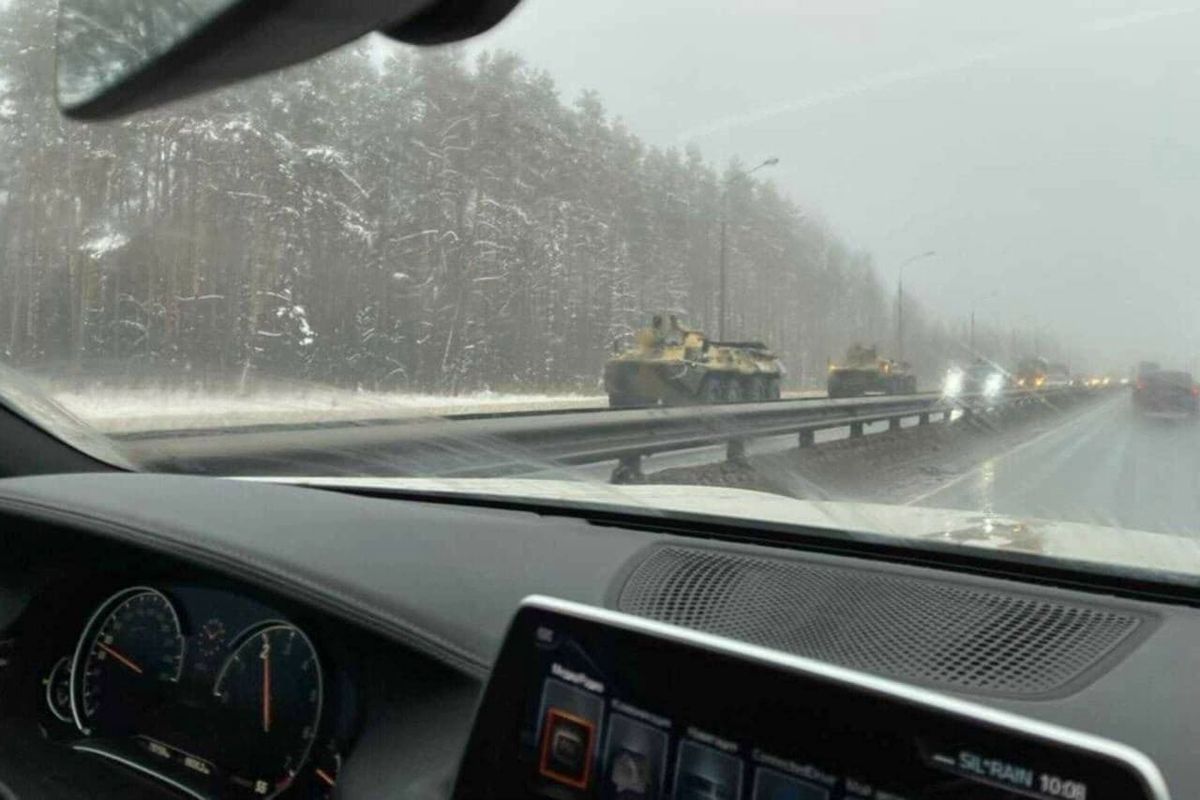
(140, 409)
(133, 410)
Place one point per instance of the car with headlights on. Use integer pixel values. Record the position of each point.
(982, 377)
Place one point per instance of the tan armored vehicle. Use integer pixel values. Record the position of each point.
(673, 365)
(863, 372)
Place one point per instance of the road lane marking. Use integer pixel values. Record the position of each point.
(974, 471)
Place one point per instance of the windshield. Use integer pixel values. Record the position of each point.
(906, 255)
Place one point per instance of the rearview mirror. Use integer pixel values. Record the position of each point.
(119, 56)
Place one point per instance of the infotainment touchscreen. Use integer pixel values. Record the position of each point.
(589, 703)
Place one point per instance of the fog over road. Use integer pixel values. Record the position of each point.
(1106, 466)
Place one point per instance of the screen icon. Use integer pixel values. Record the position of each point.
(705, 773)
(630, 774)
(568, 733)
(770, 784)
(567, 742)
(635, 758)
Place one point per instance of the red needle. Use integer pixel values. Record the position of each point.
(123, 659)
(266, 700)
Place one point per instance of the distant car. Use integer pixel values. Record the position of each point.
(1167, 393)
(1031, 373)
(1058, 375)
(981, 377)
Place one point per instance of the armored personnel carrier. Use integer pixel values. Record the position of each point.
(674, 365)
(863, 372)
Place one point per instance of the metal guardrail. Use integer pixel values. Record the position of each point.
(512, 444)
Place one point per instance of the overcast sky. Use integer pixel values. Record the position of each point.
(1048, 151)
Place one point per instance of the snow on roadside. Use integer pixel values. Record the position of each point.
(137, 410)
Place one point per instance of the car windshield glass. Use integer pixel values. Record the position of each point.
(904, 267)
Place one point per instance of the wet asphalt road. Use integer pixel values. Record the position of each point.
(1109, 466)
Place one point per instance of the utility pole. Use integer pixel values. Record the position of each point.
(900, 301)
(975, 302)
(723, 279)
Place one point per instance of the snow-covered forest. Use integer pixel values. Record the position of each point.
(389, 219)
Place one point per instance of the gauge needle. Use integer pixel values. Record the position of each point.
(266, 699)
(119, 657)
(323, 775)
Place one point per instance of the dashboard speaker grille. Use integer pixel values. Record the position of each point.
(942, 634)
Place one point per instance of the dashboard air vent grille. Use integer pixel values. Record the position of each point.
(942, 634)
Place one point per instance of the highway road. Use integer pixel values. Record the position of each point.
(1107, 466)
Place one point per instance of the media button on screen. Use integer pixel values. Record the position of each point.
(705, 773)
(567, 742)
(635, 757)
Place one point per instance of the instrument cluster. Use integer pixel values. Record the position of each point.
(209, 692)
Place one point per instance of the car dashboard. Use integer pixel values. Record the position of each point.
(165, 636)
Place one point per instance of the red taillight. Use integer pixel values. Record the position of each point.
(1196, 391)
(1140, 385)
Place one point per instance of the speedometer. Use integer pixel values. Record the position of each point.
(271, 690)
(130, 651)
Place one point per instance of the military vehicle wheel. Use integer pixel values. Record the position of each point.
(733, 390)
(773, 391)
(755, 389)
(711, 390)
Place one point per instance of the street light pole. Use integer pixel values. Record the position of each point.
(723, 278)
(900, 301)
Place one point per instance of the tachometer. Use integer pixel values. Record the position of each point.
(271, 690)
(131, 649)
